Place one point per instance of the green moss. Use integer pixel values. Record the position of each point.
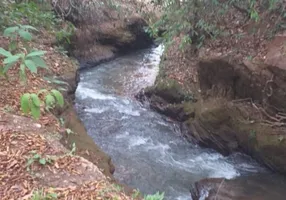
(169, 90)
(189, 107)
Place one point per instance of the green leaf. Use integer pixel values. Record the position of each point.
(39, 62)
(50, 100)
(28, 27)
(36, 156)
(31, 66)
(59, 97)
(42, 161)
(35, 100)
(11, 59)
(5, 53)
(56, 81)
(7, 67)
(8, 31)
(25, 103)
(25, 35)
(36, 53)
(35, 111)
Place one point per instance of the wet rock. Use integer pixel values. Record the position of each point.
(264, 187)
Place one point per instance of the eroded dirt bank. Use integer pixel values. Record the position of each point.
(229, 103)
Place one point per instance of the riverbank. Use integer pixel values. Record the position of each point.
(84, 168)
(229, 97)
(53, 157)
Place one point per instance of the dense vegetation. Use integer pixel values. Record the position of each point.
(196, 20)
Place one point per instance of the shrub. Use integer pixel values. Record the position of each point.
(24, 58)
(31, 103)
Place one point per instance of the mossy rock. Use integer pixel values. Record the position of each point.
(168, 89)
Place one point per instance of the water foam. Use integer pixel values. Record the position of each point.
(95, 110)
(125, 109)
(137, 141)
(83, 93)
(212, 164)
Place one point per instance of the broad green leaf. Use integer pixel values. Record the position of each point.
(31, 66)
(36, 53)
(56, 81)
(7, 67)
(35, 100)
(25, 103)
(9, 30)
(11, 59)
(39, 62)
(5, 53)
(59, 97)
(50, 100)
(25, 35)
(28, 27)
(42, 161)
(35, 111)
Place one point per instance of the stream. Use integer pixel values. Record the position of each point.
(147, 149)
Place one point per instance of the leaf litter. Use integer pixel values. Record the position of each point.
(68, 176)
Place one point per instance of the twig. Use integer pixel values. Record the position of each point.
(273, 124)
(269, 116)
(281, 114)
(219, 188)
(241, 100)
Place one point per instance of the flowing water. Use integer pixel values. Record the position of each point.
(146, 148)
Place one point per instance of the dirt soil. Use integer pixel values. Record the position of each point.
(229, 94)
(39, 157)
